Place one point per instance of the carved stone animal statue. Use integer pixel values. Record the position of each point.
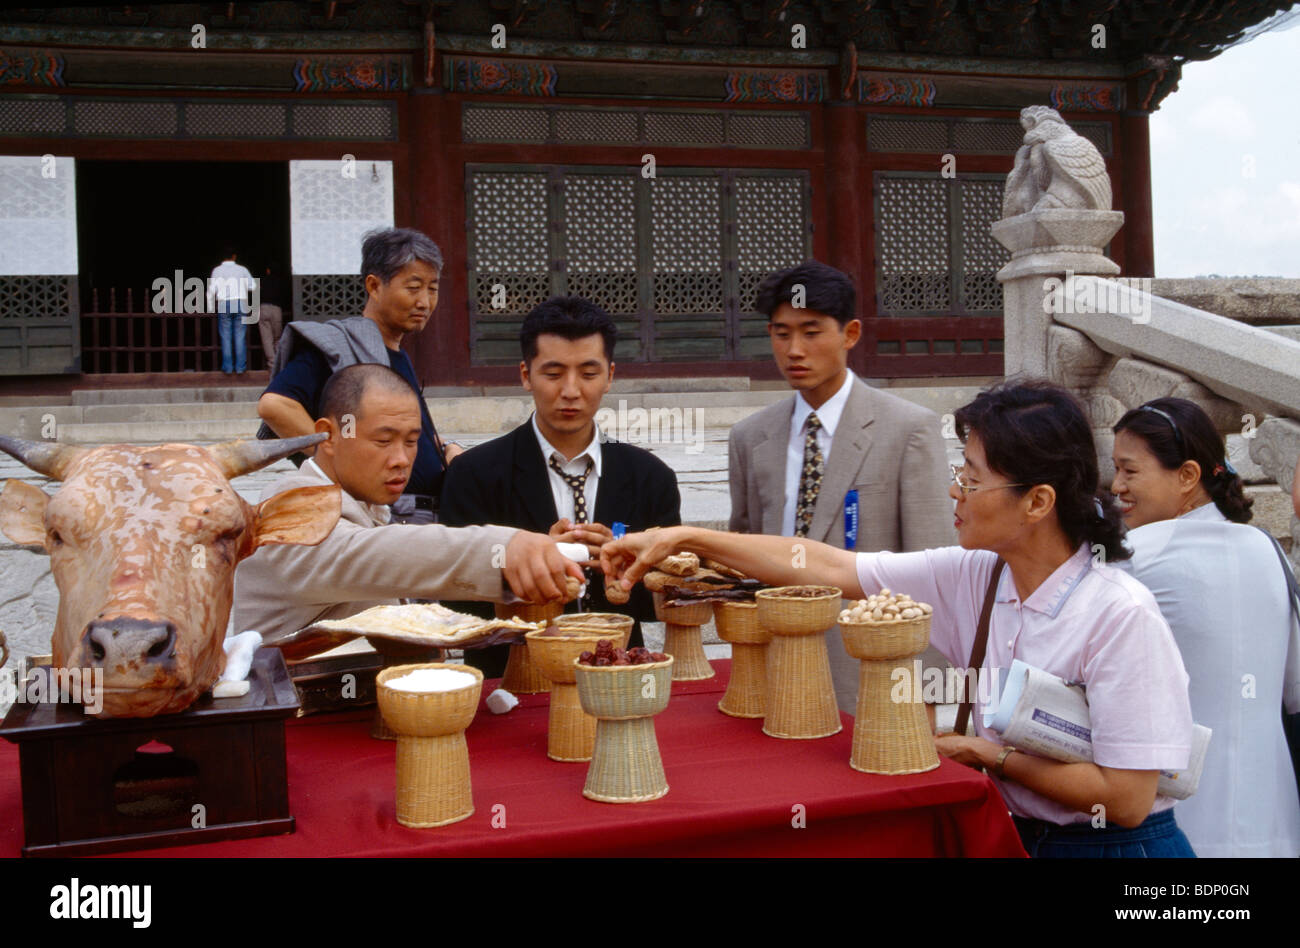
(1055, 167)
(143, 544)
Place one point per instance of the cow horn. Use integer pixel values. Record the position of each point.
(45, 457)
(244, 457)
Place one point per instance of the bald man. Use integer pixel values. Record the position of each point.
(373, 420)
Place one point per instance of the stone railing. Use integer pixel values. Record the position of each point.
(1070, 317)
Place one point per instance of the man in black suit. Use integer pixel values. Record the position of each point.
(558, 473)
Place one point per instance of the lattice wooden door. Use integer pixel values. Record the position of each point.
(675, 258)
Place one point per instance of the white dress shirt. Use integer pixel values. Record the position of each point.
(1221, 588)
(560, 490)
(229, 281)
(1087, 622)
(829, 415)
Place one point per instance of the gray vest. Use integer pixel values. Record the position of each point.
(343, 342)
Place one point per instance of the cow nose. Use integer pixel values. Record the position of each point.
(128, 641)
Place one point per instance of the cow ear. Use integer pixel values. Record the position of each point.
(22, 513)
(305, 515)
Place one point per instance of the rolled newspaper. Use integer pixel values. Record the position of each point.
(1039, 712)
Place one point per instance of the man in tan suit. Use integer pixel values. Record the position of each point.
(372, 416)
(794, 465)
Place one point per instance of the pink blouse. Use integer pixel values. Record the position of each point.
(1089, 623)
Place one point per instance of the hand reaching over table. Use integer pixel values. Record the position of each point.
(591, 535)
(538, 572)
(774, 560)
(625, 561)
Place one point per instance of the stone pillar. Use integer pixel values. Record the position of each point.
(1048, 248)
(1274, 447)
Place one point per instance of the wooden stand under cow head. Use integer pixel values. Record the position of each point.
(215, 771)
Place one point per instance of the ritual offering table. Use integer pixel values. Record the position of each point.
(101, 785)
(429, 708)
(625, 762)
(521, 676)
(887, 633)
(800, 693)
(737, 623)
(571, 731)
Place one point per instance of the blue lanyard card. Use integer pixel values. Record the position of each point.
(851, 520)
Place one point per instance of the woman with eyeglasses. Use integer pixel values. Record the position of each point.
(1220, 585)
(1027, 496)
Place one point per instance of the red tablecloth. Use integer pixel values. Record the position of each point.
(734, 792)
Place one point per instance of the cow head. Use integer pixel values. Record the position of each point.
(143, 544)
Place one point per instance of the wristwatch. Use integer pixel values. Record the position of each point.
(1001, 761)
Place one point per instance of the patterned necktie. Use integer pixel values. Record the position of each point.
(810, 481)
(578, 483)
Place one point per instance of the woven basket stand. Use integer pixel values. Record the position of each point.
(746, 694)
(433, 777)
(890, 736)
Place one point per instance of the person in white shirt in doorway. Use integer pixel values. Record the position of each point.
(228, 290)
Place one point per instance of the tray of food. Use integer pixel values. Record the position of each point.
(684, 579)
(428, 624)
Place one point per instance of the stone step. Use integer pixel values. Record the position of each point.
(166, 396)
(632, 416)
(250, 393)
(158, 432)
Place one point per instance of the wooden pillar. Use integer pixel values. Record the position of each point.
(1135, 156)
(436, 350)
(844, 143)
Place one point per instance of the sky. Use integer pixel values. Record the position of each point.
(1225, 163)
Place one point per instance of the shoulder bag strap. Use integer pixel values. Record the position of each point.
(1291, 583)
(979, 646)
(1290, 722)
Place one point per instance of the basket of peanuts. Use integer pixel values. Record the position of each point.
(885, 625)
(885, 632)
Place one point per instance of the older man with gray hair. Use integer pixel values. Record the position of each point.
(401, 268)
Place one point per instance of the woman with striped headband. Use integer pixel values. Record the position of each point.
(1221, 587)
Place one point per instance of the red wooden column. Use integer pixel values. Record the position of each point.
(435, 350)
(1135, 154)
(845, 142)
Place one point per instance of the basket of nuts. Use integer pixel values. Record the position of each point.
(798, 610)
(885, 626)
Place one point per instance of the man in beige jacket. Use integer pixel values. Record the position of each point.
(373, 419)
(838, 455)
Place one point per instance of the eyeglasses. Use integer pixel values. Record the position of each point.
(958, 478)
